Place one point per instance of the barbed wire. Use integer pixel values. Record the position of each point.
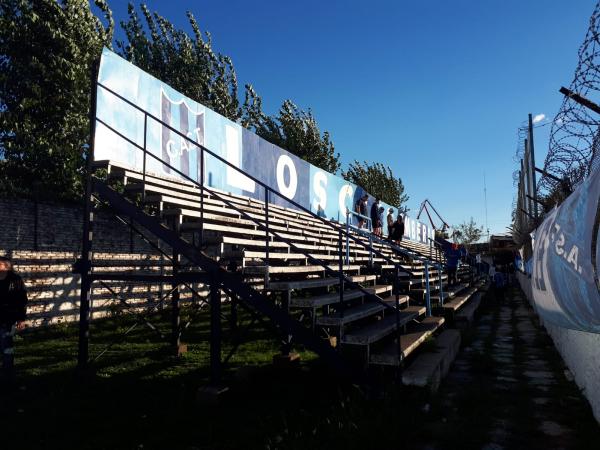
(574, 146)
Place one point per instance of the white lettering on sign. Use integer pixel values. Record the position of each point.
(288, 191)
(235, 178)
(319, 188)
(345, 192)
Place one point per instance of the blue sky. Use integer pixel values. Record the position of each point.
(435, 89)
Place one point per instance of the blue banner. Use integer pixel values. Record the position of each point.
(565, 261)
(321, 192)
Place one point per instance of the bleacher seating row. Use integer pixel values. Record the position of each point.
(381, 315)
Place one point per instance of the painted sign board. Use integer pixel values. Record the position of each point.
(319, 191)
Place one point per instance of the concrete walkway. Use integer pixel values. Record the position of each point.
(509, 389)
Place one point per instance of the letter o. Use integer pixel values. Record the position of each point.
(290, 190)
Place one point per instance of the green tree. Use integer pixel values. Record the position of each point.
(190, 65)
(467, 233)
(46, 51)
(187, 63)
(379, 181)
(293, 129)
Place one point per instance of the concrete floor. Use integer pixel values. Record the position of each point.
(509, 389)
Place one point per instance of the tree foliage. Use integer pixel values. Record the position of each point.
(293, 129)
(190, 65)
(378, 180)
(467, 233)
(46, 51)
(47, 48)
(187, 63)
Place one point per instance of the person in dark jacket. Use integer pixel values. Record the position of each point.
(375, 222)
(398, 230)
(13, 303)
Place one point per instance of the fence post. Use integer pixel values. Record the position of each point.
(427, 291)
(440, 274)
(341, 272)
(267, 237)
(347, 237)
(215, 331)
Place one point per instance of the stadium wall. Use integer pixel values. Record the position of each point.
(580, 352)
(44, 240)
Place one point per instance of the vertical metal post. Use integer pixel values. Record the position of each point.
(397, 312)
(144, 163)
(532, 164)
(86, 242)
(287, 344)
(201, 196)
(440, 274)
(528, 179)
(175, 297)
(371, 249)
(341, 276)
(267, 237)
(347, 237)
(215, 330)
(427, 290)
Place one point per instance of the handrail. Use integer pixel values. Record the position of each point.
(349, 212)
(201, 185)
(265, 226)
(328, 270)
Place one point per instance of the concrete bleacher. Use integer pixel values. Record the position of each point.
(378, 321)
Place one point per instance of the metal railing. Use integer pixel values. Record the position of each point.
(264, 224)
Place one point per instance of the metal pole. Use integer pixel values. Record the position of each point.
(215, 331)
(201, 197)
(440, 274)
(397, 295)
(144, 163)
(529, 203)
(371, 249)
(347, 237)
(341, 275)
(427, 291)
(86, 242)
(175, 317)
(532, 156)
(267, 236)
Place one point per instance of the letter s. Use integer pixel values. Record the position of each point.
(319, 185)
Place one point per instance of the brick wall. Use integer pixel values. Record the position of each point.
(44, 240)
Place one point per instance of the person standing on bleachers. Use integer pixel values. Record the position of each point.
(398, 230)
(375, 222)
(13, 304)
(390, 223)
(361, 209)
(453, 255)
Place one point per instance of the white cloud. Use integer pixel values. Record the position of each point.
(538, 118)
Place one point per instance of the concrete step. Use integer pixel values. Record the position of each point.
(382, 328)
(464, 317)
(429, 368)
(409, 342)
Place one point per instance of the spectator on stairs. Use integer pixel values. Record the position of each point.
(398, 230)
(375, 222)
(453, 255)
(361, 209)
(13, 302)
(390, 223)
